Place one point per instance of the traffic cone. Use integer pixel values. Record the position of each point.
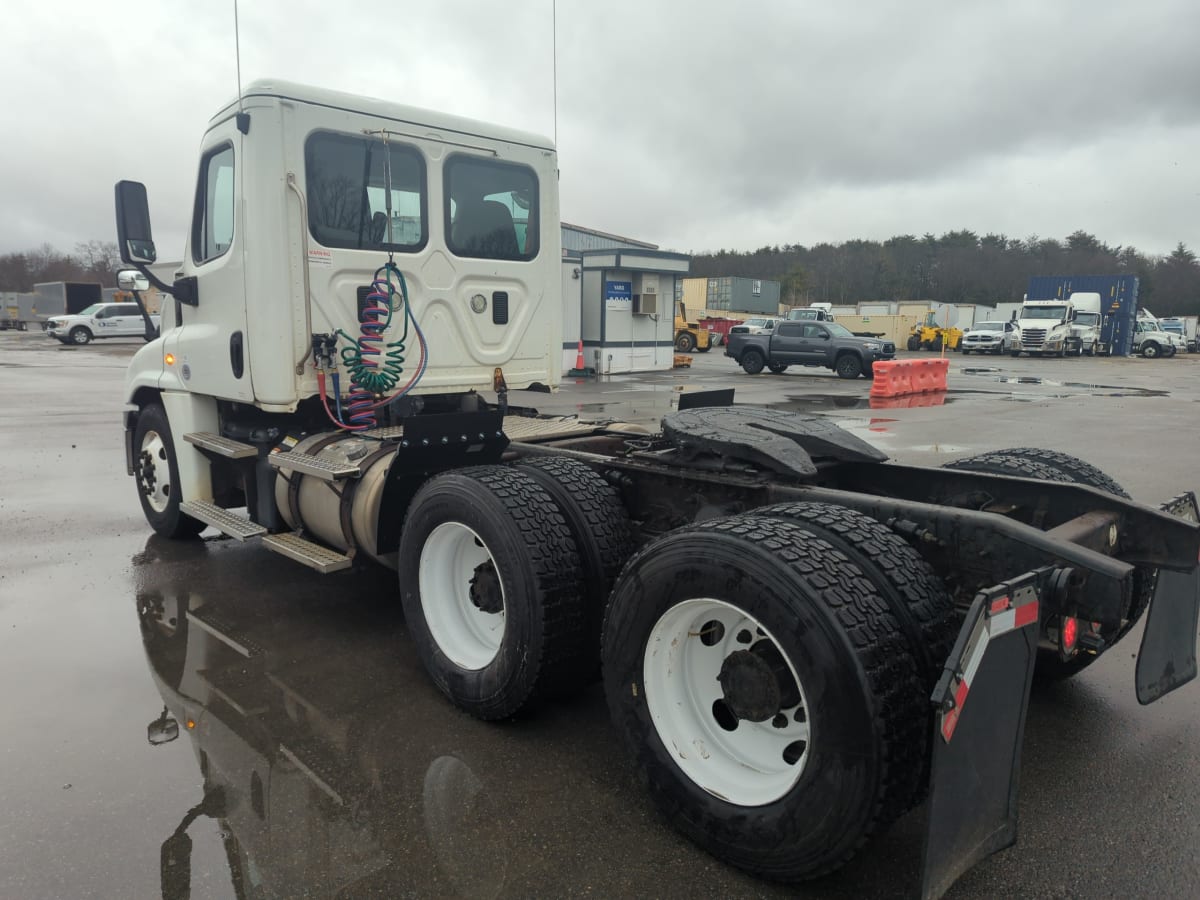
(581, 370)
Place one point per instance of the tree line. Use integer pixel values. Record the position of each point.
(94, 261)
(958, 267)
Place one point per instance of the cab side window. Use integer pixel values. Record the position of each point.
(212, 224)
(814, 331)
(790, 329)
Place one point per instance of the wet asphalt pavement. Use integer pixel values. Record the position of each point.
(345, 771)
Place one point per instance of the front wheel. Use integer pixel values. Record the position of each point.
(1151, 350)
(753, 362)
(156, 471)
(685, 343)
(756, 676)
(914, 343)
(80, 336)
(848, 366)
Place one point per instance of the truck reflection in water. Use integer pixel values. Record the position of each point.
(314, 757)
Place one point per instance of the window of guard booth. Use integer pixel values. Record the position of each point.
(491, 209)
(347, 182)
(212, 228)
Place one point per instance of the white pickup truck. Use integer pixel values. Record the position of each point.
(100, 320)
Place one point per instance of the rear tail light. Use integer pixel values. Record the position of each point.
(1068, 636)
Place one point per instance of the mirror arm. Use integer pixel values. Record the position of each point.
(183, 290)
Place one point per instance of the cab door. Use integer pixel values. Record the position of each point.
(785, 343)
(209, 343)
(129, 320)
(814, 344)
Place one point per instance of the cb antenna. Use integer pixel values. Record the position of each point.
(243, 120)
(554, 52)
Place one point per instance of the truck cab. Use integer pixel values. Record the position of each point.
(1043, 327)
(344, 252)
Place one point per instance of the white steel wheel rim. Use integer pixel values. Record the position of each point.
(152, 464)
(466, 634)
(754, 764)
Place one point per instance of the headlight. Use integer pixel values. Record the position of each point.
(870, 346)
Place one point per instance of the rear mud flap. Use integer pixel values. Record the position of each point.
(981, 701)
(1167, 658)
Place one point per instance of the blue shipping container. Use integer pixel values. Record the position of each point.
(1118, 295)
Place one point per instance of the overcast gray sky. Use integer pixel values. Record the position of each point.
(696, 125)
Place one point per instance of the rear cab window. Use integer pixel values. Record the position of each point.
(491, 209)
(349, 204)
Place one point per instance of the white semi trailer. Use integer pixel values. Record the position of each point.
(793, 632)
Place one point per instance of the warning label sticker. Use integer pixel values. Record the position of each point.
(319, 257)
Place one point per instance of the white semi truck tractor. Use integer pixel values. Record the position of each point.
(799, 640)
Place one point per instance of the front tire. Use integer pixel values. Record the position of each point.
(756, 676)
(156, 473)
(685, 343)
(848, 366)
(914, 343)
(1151, 350)
(80, 336)
(489, 581)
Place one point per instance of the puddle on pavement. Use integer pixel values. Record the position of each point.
(1102, 390)
(821, 402)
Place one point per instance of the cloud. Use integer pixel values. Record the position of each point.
(692, 124)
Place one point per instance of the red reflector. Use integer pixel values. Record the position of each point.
(949, 723)
(1070, 633)
(1000, 605)
(1025, 615)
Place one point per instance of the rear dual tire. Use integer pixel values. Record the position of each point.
(755, 674)
(1051, 465)
(503, 574)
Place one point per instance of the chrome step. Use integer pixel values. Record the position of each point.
(304, 551)
(224, 631)
(238, 527)
(222, 446)
(326, 470)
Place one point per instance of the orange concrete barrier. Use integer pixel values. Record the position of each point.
(900, 377)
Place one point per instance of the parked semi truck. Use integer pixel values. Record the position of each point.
(1044, 328)
(785, 620)
(1084, 338)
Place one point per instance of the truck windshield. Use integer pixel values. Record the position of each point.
(1086, 318)
(1043, 312)
(91, 310)
(988, 326)
(838, 330)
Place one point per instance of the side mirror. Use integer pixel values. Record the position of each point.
(825, 335)
(162, 730)
(134, 240)
(132, 280)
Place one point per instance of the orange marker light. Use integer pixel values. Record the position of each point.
(191, 723)
(170, 359)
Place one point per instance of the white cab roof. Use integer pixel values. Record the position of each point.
(383, 109)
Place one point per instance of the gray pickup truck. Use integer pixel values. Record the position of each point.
(826, 344)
